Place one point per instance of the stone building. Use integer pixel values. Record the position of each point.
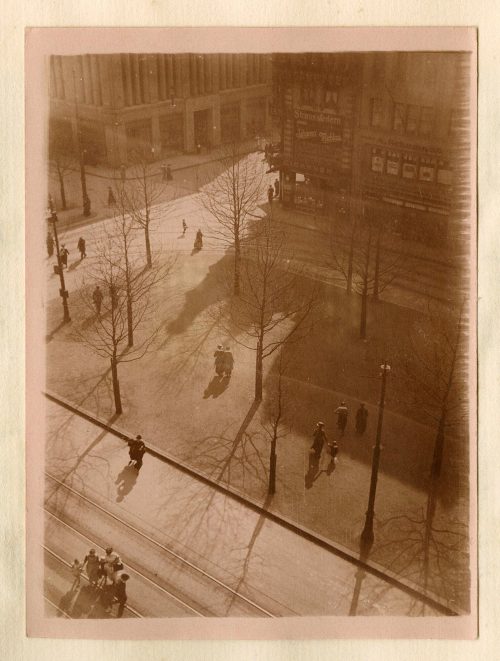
(378, 130)
(169, 103)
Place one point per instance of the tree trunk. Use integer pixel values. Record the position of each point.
(272, 467)
(148, 246)
(377, 266)
(237, 264)
(351, 259)
(130, 326)
(62, 189)
(258, 372)
(116, 386)
(362, 326)
(437, 458)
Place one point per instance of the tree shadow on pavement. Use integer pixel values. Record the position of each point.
(126, 482)
(207, 292)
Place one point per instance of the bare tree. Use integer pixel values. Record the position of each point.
(278, 404)
(61, 158)
(145, 189)
(127, 307)
(275, 299)
(368, 258)
(232, 198)
(121, 234)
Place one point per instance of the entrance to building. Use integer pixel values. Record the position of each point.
(202, 131)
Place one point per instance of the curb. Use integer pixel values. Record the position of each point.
(337, 549)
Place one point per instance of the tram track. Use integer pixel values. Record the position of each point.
(212, 588)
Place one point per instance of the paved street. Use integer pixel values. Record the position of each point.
(169, 396)
(189, 549)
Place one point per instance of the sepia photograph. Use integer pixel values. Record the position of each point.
(252, 275)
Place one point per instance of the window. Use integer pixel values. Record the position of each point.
(426, 121)
(409, 166)
(427, 169)
(392, 164)
(412, 119)
(444, 173)
(330, 99)
(307, 95)
(398, 120)
(376, 112)
(378, 158)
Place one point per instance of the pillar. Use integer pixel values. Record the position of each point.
(189, 145)
(116, 143)
(156, 136)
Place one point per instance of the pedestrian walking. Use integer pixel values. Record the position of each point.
(361, 419)
(276, 188)
(184, 227)
(342, 413)
(63, 253)
(270, 194)
(228, 362)
(319, 439)
(50, 244)
(76, 570)
(81, 247)
(136, 452)
(111, 197)
(198, 242)
(97, 298)
(120, 592)
(219, 360)
(91, 564)
(109, 561)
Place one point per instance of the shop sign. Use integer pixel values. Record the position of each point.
(426, 173)
(377, 163)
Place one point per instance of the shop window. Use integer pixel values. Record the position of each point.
(307, 95)
(393, 163)
(378, 160)
(426, 121)
(409, 167)
(444, 174)
(427, 169)
(376, 112)
(399, 116)
(412, 118)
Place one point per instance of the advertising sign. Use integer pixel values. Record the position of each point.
(320, 141)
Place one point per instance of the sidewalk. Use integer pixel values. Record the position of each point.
(277, 568)
(184, 169)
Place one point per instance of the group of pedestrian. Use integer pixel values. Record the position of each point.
(224, 361)
(99, 571)
(319, 435)
(63, 251)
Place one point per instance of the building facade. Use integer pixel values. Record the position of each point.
(169, 103)
(378, 129)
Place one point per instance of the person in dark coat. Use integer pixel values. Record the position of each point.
(184, 226)
(50, 244)
(219, 360)
(111, 197)
(81, 247)
(91, 563)
(342, 413)
(97, 298)
(276, 188)
(361, 419)
(64, 252)
(319, 439)
(120, 591)
(136, 452)
(228, 361)
(270, 194)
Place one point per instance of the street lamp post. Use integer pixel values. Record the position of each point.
(62, 291)
(367, 536)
